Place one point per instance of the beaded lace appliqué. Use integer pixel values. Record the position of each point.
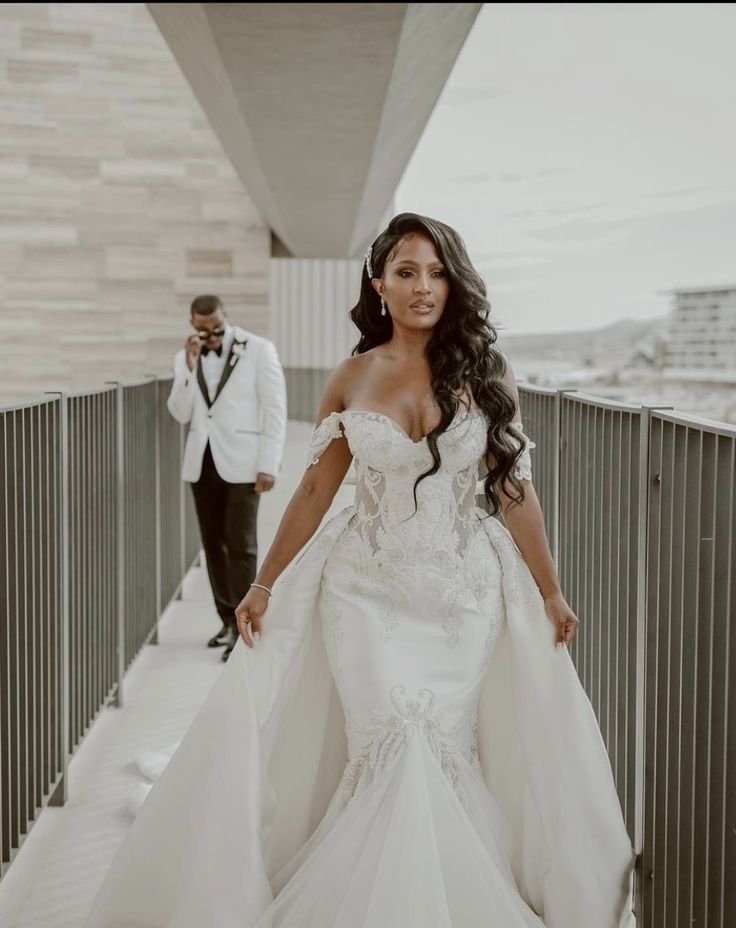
(394, 549)
(329, 428)
(389, 553)
(374, 743)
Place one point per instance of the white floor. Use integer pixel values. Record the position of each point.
(63, 859)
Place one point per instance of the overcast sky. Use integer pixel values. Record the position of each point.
(587, 155)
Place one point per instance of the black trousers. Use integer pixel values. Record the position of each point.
(227, 515)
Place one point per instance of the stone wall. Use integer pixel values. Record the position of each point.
(117, 204)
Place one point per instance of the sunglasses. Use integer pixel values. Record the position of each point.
(210, 333)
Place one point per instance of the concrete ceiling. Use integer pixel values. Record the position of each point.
(319, 106)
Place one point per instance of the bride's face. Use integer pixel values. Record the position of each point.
(414, 283)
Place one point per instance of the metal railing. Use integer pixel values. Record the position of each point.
(90, 516)
(32, 647)
(97, 535)
(689, 826)
(640, 509)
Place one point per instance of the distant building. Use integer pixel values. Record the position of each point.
(702, 342)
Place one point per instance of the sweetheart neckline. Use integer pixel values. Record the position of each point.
(400, 427)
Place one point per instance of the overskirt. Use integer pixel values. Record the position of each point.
(254, 775)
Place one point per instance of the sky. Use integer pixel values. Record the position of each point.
(586, 153)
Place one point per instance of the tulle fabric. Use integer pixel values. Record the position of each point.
(405, 852)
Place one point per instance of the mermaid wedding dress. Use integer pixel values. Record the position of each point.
(403, 748)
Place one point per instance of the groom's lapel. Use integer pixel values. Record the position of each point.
(202, 382)
(232, 359)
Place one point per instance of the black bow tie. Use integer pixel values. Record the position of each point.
(206, 351)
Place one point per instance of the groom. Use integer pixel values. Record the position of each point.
(229, 386)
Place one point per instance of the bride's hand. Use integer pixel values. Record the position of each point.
(251, 610)
(562, 617)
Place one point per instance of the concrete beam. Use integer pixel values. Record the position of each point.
(319, 106)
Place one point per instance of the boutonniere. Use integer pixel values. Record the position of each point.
(238, 352)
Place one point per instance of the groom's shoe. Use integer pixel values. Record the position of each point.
(230, 642)
(218, 640)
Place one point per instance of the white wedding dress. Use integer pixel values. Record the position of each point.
(403, 748)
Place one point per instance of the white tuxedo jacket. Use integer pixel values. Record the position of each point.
(245, 423)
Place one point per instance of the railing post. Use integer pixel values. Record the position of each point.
(554, 539)
(641, 640)
(641, 655)
(120, 584)
(61, 791)
(157, 477)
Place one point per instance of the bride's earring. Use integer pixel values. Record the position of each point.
(383, 307)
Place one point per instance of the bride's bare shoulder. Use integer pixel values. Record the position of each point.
(341, 384)
(356, 364)
(347, 377)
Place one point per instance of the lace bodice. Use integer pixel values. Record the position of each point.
(388, 462)
(387, 539)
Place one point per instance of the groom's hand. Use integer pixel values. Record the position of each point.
(264, 482)
(193, 347)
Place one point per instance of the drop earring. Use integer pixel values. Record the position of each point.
(383, 307)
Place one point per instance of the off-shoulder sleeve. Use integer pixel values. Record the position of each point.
(322, 435)
(523, 467)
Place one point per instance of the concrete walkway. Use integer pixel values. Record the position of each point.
(63, 860)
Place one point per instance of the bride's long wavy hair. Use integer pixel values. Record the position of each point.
(460, 351)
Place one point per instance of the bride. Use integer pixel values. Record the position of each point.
(399, 738)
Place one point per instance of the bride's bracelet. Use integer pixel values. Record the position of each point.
(262, 587)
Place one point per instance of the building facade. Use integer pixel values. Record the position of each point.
(702, 343)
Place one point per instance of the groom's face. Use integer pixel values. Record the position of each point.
(211, 328)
